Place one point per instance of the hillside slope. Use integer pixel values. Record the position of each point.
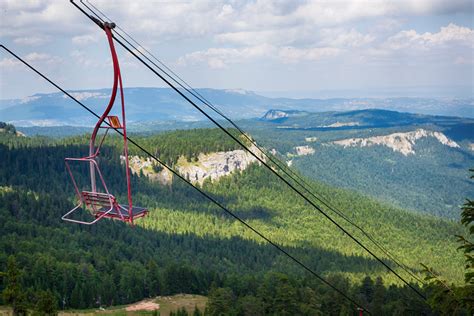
(254, 194)
(183, 230)
(416, 162)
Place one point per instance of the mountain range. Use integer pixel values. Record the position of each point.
(164, 104)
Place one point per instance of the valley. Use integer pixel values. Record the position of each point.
(186, 244)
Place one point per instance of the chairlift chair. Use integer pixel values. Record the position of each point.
(102, 204)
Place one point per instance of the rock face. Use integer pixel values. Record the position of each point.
(147, 167)
(274, 115)
(304, 150)
(208, 166)
(341, 124)
(400, 142)
(280, 115)
(215, 165)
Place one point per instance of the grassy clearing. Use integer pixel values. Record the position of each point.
(173, 303)
(167, 304)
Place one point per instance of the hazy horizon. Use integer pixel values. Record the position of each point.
(435, 92)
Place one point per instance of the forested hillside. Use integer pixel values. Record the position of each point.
(431, 177)
(188, 245)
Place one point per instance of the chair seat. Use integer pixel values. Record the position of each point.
(122, 211)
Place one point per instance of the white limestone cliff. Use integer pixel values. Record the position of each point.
(399, 142)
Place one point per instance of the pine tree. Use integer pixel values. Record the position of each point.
(152, 279)
(250, 305)
(456, 299)
(467, 246)
(379, 297)
(367, 290)
(46, 304)
(220, 302)
(13, 293)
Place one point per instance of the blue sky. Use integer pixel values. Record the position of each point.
(292, 48)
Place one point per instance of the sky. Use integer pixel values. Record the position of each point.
(277, 48)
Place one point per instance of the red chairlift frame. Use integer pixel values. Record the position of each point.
(103, 204)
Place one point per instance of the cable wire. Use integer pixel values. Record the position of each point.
(294, 176)
(206, 195)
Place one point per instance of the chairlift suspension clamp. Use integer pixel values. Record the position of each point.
(102, 25)
(110, 25)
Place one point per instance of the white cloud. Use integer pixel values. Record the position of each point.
(291, 54)
(259, 36)
(221, 57)
(32, 40)
(39, 22)
(42, 58)
(34, 57)
(281, 23)
(25, 6)
(229, 21)
(9, 63)
(449, 34)
(328, 42)
(187, 19)
(169, 20)
(81, 58)
(85, 39)
(298, 35)
(345, 39)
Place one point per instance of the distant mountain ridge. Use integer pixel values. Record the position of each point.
(457, 127)
(164, 104)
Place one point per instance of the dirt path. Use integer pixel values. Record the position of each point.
(143, 306)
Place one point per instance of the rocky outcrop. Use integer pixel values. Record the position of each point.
(341, 124)
(275, 115)
(208, 166)
(149, 168)
(216, 165)
(304, 150)
(280, 115)
(400, 142)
